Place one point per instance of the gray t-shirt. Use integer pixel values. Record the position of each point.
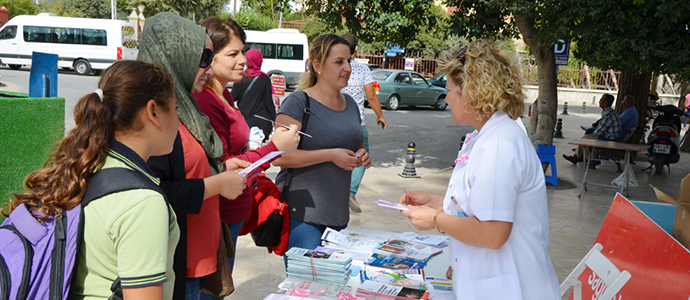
(319, 194)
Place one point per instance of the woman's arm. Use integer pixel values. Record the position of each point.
(143, 293)
(343, 158)
(469, 230)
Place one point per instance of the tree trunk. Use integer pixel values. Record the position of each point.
(637, 86)
(545, 111)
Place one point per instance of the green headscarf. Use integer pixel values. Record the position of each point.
(178, 43)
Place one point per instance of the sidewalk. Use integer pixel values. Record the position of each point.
(574, 222)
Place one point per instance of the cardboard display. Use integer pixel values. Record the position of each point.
(681, 224)
(658, 264)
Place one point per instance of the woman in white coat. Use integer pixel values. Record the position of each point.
(495, 208)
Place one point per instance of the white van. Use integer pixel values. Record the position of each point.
(285, 52)
(80, 43)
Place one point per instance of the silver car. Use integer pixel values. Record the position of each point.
(401, 87)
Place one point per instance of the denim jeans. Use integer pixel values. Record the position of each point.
(234, 231)
(192, 289)
(306, 235)
(358, 173)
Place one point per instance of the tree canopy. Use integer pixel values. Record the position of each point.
(394, 21)
(19, 7)
(639, 37)
(197, 10)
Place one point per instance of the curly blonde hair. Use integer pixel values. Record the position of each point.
(489, 76)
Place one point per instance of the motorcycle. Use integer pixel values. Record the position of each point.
(664, 138)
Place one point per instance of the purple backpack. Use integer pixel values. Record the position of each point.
(37, 260)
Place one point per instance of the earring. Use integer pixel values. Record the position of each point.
(319, 72)
(465, 109)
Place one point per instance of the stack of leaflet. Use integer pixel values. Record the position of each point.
(358, 244)
(409, 278)
(378, 260)
(438, 241)
(379, 291)
(318, 266)
(312, 289)
(407, 250)
(440, 288)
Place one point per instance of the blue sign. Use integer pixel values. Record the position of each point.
(43, 75)
(392, 51)
(561, 51)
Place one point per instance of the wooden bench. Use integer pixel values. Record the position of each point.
(627, 147)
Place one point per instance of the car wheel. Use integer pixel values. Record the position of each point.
(440, 103)
(82, 67)
(393, 102)
(15, 67)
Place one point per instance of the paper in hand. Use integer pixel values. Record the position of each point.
(391, 204)
(259, 162)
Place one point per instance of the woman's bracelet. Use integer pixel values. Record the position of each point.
(436, 224)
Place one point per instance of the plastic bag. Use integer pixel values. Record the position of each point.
(256, 137)
(620, 180)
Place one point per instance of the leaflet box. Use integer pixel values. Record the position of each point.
(681, 224)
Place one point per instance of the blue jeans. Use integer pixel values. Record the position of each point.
(358, 173)
(306, 235)
(192, 289)
(234, 231)
(687, 116)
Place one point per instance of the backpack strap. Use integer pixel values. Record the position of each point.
(305, 121)
(106, 182)
(113, 180)
(249, 87)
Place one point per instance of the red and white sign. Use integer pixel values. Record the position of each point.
(278, 83)
(658, 264)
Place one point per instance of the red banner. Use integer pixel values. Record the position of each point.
(658, 264)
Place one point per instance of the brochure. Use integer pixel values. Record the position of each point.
(390, 262)
(377, 290)
(391, 204)
(259, 162)
(407, 250)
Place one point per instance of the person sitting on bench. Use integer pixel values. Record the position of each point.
(608, 128)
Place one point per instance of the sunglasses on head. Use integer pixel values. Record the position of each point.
(206, 58)
(461, 55)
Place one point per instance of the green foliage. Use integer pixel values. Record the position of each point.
(97, 9)
(59, 7)
(497, 19)
(313, 28)
(271, 8)
(647, 36)
(197, 10)
(394, 21)
(19, 7)
(251, 20)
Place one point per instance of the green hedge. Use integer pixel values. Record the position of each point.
(29, 127)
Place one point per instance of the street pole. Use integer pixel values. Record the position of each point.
(113, 9)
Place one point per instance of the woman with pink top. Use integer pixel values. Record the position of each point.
(217, 103)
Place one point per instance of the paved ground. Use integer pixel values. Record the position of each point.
(574, 222)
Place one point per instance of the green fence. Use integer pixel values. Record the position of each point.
(29, 128)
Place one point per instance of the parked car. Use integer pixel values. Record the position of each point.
(401, 87)
(439, 80)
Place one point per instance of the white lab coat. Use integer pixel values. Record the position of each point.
(498, 176)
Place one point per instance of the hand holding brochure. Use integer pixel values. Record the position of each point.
(259, 162)
(391, 204)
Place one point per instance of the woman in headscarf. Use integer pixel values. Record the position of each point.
(186, 173)
(254, 94)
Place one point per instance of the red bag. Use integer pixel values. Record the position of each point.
(266, 196)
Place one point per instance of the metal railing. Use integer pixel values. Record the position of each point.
(426, 67)
(579, 79)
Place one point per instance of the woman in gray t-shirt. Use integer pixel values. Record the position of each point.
(322, 167)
